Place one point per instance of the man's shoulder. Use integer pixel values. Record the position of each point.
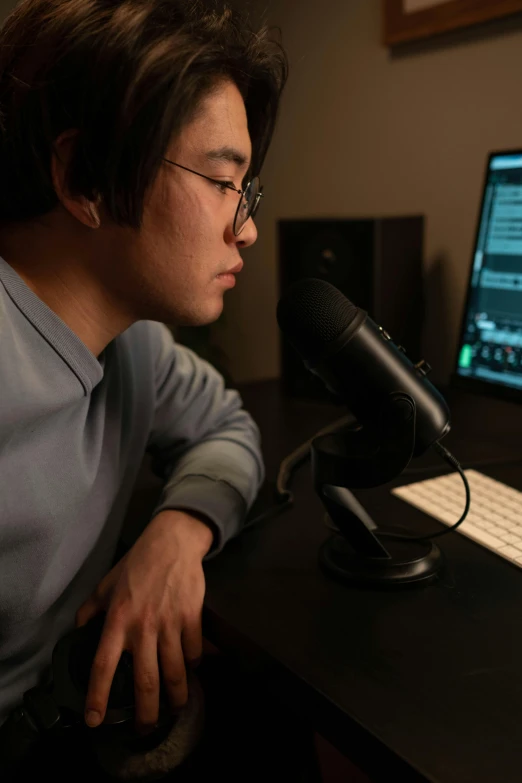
(146, 333)
(145, 341)
(151, 345)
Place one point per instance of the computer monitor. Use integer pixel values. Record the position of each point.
(489, 356)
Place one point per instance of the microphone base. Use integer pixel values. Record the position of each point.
(410, 562)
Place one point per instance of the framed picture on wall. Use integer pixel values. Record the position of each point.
(412, 20)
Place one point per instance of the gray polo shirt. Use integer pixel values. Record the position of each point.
(73, 432)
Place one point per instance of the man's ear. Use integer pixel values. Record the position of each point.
(79, 206)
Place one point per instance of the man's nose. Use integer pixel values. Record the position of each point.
(248, 235)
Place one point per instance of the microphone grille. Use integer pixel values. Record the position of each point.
(313, 312)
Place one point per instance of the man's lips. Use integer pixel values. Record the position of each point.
(234, 271)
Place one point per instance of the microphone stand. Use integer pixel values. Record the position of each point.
(369, 456)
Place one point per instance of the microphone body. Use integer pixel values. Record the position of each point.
(358, 360)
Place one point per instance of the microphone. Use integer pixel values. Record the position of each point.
(357, 359)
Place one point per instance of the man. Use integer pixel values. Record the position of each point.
(131, 137)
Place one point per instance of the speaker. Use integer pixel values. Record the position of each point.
(375, 262)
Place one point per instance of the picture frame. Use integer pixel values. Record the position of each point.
(404, 21)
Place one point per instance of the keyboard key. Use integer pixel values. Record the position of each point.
(504, 523)
(511, 525)
(483, 537)
(497, 532)
(510, 551)
(497, 519)
(510, 538)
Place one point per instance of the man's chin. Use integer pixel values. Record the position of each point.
(203, 317)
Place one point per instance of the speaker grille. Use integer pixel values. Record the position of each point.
(313, 313)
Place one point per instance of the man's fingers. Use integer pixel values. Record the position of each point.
(86, 611)
(192, 640)
(103, 667)
(146, 681)
(173, 667)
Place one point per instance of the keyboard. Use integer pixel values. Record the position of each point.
(495, 515)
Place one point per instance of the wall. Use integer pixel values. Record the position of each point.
(363, 133)
(6, 6)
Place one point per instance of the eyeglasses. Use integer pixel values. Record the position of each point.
(249, 198)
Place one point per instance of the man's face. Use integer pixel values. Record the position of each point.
(173, 268)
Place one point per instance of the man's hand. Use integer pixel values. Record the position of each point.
(153, 599)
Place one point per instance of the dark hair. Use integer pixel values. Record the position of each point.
(128, 74)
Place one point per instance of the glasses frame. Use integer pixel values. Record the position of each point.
(229, 186)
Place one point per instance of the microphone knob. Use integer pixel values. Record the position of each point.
(384, 333)
(423, 367)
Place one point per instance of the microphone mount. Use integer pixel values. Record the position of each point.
(359, 458)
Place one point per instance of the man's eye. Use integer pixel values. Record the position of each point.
(224, 186)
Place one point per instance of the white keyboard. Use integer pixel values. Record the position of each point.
(495, 515)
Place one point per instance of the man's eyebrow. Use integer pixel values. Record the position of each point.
(228, 155)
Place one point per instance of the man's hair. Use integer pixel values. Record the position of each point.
(128, 74)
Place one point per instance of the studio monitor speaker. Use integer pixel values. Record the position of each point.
(375, 262)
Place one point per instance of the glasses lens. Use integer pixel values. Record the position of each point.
(248, 204)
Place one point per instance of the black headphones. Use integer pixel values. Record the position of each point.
(61, 703)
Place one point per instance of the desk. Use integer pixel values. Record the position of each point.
(413, 685)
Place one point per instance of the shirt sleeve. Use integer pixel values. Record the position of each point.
(203, 444)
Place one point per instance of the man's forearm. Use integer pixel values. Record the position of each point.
(184, 528)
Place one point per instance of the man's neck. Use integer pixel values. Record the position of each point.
(65, 283)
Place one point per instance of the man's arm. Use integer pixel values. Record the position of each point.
(203, 443)
(207, 449)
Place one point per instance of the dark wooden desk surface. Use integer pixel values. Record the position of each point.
(421, 684)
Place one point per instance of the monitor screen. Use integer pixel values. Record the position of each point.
(490, 347)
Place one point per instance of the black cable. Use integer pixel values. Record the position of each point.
(453, 462)
(284, 497)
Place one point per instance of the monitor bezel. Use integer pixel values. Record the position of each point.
(482, 387)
